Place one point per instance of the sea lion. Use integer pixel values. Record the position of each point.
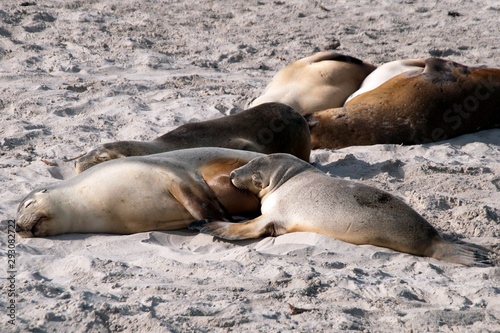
(267, 128)
(441, 101)
(164, 191)
(321, 81)
(295, 196)
(385, 72)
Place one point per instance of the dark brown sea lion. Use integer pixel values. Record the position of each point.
(441, 101)
(267, 128)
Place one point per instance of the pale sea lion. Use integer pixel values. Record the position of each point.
(439, 102)
(295, 196)
(385, 72)
(321, 81)
(268, 128)
(157, 192)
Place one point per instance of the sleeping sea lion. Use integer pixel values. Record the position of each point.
(441, 101)
(321, 81)
(157, 192)
(295, 196)
(385, 72)
(267, 128)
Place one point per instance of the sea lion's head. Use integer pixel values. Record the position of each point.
(263, 175)
(103, 153)
(35, 214)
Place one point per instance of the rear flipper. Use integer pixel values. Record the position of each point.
(461, 254)
(255, 228)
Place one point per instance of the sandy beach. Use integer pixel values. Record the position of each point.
(76, 74)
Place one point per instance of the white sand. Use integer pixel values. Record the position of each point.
(74, 74)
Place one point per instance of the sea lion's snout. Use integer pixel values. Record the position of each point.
(20, 231)
(235, 179)
(30, 224)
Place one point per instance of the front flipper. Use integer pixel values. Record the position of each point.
(199, 201)
(256, 228)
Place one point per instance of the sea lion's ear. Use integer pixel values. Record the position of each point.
(257, 180)
(311, 121)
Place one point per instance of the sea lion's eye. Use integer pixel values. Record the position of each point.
(257, 180)
(103, 157)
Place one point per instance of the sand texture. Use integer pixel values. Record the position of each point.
(76, 74)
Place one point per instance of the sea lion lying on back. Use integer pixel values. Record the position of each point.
(385, 72)
(164, 191)
(321, 81)
(267, 128)
(441, 101)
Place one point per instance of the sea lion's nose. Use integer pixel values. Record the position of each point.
(18, 228)
(232, 174)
